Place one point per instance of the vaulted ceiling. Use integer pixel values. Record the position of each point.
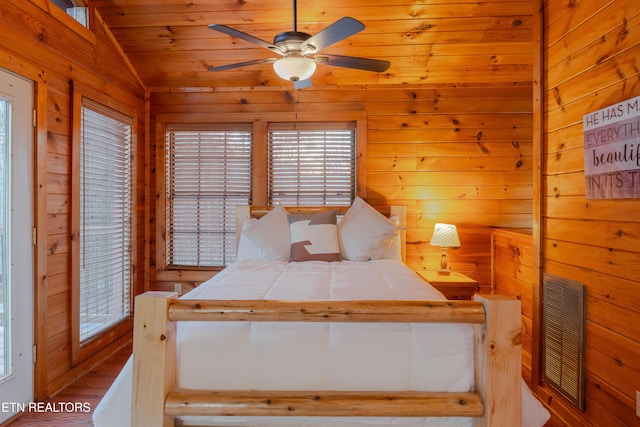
(426, 41)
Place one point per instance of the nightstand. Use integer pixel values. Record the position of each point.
(454, 286)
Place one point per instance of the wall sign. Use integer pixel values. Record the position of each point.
(612, 151)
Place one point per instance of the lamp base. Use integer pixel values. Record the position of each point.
(443, 264)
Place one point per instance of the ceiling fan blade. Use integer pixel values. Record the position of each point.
(301, 84)
(246, 37)
(242, 64)
(339, 30)
(366, 64)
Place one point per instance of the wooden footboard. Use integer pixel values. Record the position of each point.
(496, 402)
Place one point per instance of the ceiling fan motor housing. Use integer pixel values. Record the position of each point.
(290, 41)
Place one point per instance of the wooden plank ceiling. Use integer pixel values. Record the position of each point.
(439, 42)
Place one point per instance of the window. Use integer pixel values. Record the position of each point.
(312, 164)
(104, 219)
(207, 169)
(77, 9)
(208, 174)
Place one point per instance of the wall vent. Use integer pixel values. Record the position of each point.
(563, 334)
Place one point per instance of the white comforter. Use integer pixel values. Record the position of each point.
(322, 356)
(313, 356)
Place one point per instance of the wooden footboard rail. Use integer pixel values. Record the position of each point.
(496, 402)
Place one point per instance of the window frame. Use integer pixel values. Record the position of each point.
(83, 31)
(81, 351)
(209, 190)
(316, 135)
(260, 195)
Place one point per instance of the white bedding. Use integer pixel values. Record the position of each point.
(322, 356)
(313, 356)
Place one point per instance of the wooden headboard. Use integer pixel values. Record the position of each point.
(246, 212)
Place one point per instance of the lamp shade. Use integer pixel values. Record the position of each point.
(294, 68)
(445, 236)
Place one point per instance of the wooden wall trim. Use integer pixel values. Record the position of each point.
(40, 253)
(538, 191)
(392, 87)
(74, 180)
(160, 200)
(148, 196)
(328, 116)
(361, 159)
(260, 172)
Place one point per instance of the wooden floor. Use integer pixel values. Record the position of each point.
(91, 387)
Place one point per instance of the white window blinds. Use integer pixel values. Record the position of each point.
(105, 218)
(312, 164)
(208, 173)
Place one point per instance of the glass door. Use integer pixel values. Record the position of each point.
(16, 244)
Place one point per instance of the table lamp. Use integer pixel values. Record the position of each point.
(445, 236)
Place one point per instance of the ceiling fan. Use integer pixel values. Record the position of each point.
(299, 50)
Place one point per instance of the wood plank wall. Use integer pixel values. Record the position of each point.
(450, 153)
(592, 60)
(52, 50)
(459, 154)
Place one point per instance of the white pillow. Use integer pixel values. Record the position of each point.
(365, 233)
(247, 249)
(271, 234)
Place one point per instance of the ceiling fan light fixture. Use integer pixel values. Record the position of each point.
(294, 68)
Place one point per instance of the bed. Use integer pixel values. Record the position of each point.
(322, 336)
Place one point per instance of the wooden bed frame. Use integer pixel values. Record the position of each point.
(496, 401)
